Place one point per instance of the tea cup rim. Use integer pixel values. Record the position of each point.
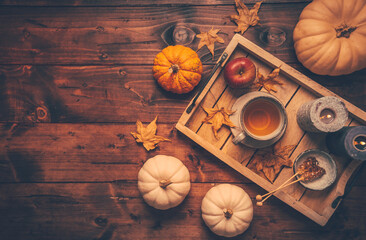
(248, 140)
(281, 109)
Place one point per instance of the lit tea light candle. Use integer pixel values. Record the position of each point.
(326, 114)
(360, 143)
(348, 142)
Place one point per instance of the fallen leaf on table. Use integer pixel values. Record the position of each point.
(270, 161)
(146, 135)
(269, 81)
(218, 117)
(209, 38)
(246, 17)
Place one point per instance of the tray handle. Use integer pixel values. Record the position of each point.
(348, 177)
(218, 64)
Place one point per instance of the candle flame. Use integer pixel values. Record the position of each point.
(361, 144)
(326, 116)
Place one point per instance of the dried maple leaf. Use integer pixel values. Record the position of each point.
(270, 173)
(270, 161)
(269, 81)
(209, 38)
(218, 117)
(146, 135)
(284, 153)
(246, 17)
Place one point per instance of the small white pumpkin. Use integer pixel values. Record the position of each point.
(227, 210)
(164, 182)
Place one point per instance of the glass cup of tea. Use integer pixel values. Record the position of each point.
(262, 118)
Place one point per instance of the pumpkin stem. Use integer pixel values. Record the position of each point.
(228, 212)
(174, 68)
(164, 183)
(344, 30)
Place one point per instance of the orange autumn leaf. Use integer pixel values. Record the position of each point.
(269, 81)
(209, 38)
(246, 17)
(146, 135)
(218, 117)
(270, 173)
(284, 152)
(270, 161)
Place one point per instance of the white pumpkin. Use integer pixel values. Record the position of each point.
(227, 210)
(330, 37)
(163, 182)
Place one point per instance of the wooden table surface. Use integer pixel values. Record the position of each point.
(74, 78)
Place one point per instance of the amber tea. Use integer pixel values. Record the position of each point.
(261, 117)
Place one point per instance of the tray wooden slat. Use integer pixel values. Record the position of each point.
(296, 90)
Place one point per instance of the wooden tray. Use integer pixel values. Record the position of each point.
(297, 89)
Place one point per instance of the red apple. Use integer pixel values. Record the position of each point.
(240, 72)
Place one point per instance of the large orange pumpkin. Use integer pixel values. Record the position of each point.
(177, 69)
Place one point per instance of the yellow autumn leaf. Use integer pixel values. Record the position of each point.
(209, 38)
(146, 135)
(269, 81)
(271, 160)
(246, 17)
(218, 117)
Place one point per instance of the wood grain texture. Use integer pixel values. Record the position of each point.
(106, 94)
(102, 35)
(69, 36)
(87, 94)
(96, 153)
(94, 3)
(116, 211)
(75, 75)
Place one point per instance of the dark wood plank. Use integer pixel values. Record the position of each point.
(87, 94)
(96, 153)
(112, 94)
(130, 3)
(117, 211)
(99, 153)
(106, 35)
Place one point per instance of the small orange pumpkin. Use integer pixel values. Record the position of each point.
(177, 69)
